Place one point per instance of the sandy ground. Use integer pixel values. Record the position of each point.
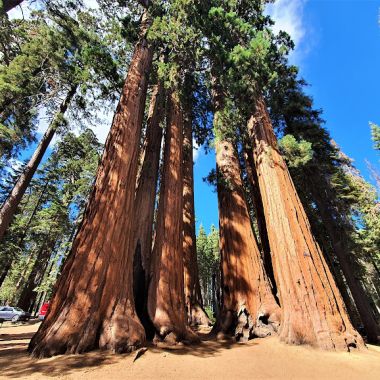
(258, 359)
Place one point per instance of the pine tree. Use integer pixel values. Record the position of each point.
(83, 47)
(48, 216)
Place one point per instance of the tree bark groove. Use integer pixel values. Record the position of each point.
(313, 311)
(93, 305)
(166, 304)
(249, 308)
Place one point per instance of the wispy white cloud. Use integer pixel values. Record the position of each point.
(288, 16)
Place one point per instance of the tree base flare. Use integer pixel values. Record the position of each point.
(198, 317)
(325, 340)
(121, 334)
(243, 327)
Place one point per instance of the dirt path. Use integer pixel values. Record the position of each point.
(259, 359)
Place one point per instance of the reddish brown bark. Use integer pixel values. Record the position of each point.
(313, 311)
(259, 213)
(93, 305)
(147, 182)
(337, 231)
(10, 205)
(193, 297)
(248, 307)
(145, 204)
(166, 304)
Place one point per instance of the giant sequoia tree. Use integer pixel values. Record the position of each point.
(248, 305)
(133, 271)
(313, 311)
(145, 199)
(166, 303)
(323, 183)
(93, 305)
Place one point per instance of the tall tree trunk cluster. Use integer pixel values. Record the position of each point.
(307, 307)
(132, 273)
(124, 280)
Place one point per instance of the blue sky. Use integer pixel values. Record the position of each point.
(338, 52)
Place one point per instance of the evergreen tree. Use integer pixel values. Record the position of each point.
(81, 53)
(49, 214)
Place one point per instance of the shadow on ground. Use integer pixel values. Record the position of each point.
(16, 363)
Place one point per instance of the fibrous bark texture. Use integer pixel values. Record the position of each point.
(14, 198)
(313, 311)
(166, 304)
(145, 204)
(259, 212)
(193, 297)
(249, 308)
(147, 182)
(93, 305)
(335, 228)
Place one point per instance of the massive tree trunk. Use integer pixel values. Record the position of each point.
(10, 4)
(318, 188)
(248, 305)
(259, 212)
(145, 204)
(166, 304)
(312, 308)
(93, 305)
(14, 198)
(193, 297)
(340, 242)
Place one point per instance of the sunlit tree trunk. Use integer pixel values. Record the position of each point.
(340, 242)
(259, 212)
(166, 304)
(248, 305)
(93, 305)
(9, 207)
(193, 298)
(313, 311)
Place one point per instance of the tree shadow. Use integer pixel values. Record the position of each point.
(16, 363)
(208, 346)
(21, 336)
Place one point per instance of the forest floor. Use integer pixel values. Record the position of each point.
(258, 359)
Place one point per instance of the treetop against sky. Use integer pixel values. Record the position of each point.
(339, 62)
